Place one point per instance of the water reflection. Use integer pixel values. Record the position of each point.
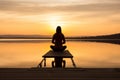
(86, 54)
(111, 41)
(93, 54)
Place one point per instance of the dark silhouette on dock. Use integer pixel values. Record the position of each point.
(58, 51)
(58, 39)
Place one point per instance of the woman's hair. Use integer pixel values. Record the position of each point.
(58, 29)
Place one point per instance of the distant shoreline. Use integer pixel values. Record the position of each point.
(112, 36)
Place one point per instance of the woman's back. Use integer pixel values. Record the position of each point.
(58, 39)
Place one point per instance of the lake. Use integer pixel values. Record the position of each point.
(27, 53)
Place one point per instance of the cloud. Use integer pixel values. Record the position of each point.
(81, 11)
(23, 7)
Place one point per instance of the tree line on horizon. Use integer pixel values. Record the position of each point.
(112, 36)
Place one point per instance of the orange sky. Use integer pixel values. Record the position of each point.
(77, 17)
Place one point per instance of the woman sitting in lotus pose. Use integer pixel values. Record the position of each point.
(58, 39)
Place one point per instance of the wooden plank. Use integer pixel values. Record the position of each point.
(52, 54)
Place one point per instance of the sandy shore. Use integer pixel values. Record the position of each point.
(59, 73)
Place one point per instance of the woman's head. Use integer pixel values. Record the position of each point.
(58, 29)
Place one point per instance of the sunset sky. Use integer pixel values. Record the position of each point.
(76, 17)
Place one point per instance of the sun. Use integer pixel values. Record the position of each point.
(55, 21)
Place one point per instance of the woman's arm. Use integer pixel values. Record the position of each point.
(53, 39)
(63, 40)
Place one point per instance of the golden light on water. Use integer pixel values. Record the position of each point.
(86, 54)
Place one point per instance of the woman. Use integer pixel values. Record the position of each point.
(58, 39)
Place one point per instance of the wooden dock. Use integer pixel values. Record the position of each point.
(53, 54)
(59, 74)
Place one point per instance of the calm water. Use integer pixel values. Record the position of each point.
(28, 53)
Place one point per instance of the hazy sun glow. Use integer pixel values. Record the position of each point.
(55, 21)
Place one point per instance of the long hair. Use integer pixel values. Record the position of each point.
(58, 29)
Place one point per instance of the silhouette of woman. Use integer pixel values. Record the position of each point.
(58, 39)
